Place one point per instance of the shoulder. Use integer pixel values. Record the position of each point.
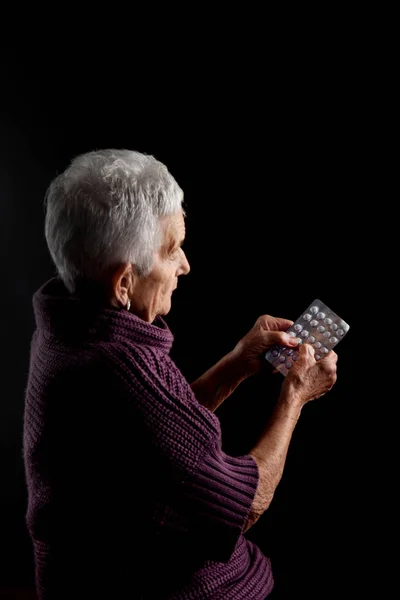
(153, 379)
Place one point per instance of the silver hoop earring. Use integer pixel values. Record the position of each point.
(128, 305)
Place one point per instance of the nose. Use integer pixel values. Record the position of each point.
(185, 267)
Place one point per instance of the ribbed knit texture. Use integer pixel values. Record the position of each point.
(130, 492)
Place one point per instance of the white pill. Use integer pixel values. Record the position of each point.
(327, 334)
(318, 344)
(275, 353)
(324, 350)
(321, 328)
(314, 323)
(307, 317)
(333, 340)
(304, 333)
(344, 325)
(292, 334)
(321, 315)
(299, 341)
(314, 310)
(288, 364)
(317, 357)
(298, 327)
(328, 321)
(289, 352)
(311, 339)
(334, 327)
(282, 359)
(340, 332)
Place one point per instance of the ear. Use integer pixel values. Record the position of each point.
(123, 283)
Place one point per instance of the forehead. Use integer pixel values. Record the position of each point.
(174, 228)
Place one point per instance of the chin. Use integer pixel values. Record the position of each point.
(163, 311)
(167, 308)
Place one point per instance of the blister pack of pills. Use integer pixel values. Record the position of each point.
(318, 325)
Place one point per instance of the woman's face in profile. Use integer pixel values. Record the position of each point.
(152, 294)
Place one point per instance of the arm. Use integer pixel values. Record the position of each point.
(212, 388)
(271, 450)
(306, 381)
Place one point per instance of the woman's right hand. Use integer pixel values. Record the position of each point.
(309, 379)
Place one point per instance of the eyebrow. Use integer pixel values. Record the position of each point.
(172, 245)
(176, 245)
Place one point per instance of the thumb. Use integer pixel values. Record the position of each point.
(306, 351)
(284, 339)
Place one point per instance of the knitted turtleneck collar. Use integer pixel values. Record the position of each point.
(80, 316)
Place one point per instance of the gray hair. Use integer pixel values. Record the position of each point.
(105, 209)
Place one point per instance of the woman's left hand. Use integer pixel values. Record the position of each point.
(266, 332)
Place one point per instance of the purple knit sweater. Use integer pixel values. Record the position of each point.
(130, 492)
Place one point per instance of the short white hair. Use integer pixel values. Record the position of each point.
(104, 210)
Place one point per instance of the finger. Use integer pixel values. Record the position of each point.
(283, 324)
(330, 358)
(275, 323)
(306, 351)
(305, 358)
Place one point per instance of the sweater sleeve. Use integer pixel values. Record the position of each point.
(211, 507)
(200, 497)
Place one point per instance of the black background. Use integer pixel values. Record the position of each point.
(270, 161)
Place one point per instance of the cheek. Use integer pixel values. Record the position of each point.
(165, 284)
(169, 282)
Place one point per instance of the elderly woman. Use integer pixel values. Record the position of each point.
(130, 492)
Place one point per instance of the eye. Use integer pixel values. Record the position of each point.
(175, 253)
